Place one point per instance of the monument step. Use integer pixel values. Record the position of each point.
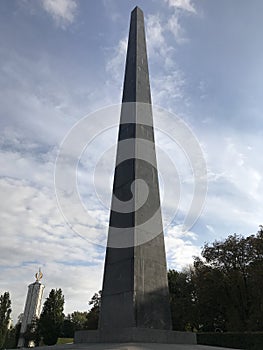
(133, 334)
(131, 346)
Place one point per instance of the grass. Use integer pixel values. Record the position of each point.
(65, 340)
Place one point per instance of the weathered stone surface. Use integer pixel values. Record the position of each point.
(135, 299)
(135, 289)
(135, 334)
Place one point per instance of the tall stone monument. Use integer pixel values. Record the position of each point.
(135, 297)
(135, 277)
(32, 308)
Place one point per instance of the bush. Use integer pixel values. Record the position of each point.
(247, 341)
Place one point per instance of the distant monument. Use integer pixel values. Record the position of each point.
(32, 307)
(135, 297)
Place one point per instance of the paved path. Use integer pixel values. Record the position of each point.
(131, 346)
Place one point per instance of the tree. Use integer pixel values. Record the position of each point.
(11, 338)
(225, 283)
(51, 318)
(73, 322)
(223, 289)
(255, 282)
(79, 319)
(182, 300)
(210, 297)
(32, 334)
(67, 328)
(93, 314)
(5, 311)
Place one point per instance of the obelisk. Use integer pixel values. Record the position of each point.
(135, 290)
(135, 297)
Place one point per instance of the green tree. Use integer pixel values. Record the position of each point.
(79, 319)
(223, 289)
(73, 322)
(255, 282)
(231, 258)
(210, 297)
(12, 337)
(5, 311)
(32, 333)
(51, 318)
(67, 328)
(225, 283)
(93, 314)
(182, 300)
(17, 333)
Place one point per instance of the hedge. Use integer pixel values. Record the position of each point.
(247, 341)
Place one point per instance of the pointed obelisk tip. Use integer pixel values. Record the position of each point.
(137, 9)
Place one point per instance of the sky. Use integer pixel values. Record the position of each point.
(62, 60)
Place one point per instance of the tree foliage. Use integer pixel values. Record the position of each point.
(73, 322)
(51, 318)
(32, 333)
(223, 290)
(5, 311)
(93, 314)
(12, 336)
(181, 299)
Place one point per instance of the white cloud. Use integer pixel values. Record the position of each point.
(112, 10)
(175, 28)
(168, 87)
(168, 80)
(180, 247)
(62, 11)
(182, 4)
(241, 167)
(158, 46)
(235, 184)
(116, 63)
(210, 228)
(155, 32)
(33, 233)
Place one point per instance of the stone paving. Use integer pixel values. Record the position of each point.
(131, 346)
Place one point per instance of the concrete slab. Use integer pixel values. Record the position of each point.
(134, 335)
(132, 346)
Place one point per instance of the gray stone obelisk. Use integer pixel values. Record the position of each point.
(135, 289)
(135, 297)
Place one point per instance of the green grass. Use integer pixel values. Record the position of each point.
(65, 340)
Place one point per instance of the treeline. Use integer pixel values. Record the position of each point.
(82, 320)
(223, 290)
(51, 325)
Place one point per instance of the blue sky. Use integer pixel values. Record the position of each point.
(61, 60)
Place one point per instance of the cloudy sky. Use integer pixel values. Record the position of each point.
(64, 59)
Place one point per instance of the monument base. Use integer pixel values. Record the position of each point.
(134, 335)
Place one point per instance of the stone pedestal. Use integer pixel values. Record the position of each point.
(135, 335)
